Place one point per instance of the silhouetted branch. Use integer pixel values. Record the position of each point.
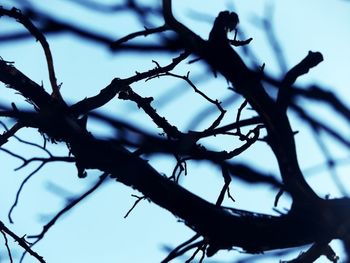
(320, 95)
(9, 132)
(311, 60)
(21, 241)
(183, 248)
(329, 162)
(202, 94)
(117, 85)
(267, 24)
(138, 199)
(225, 188)
(9, 215)
(146, 32)
(314, 252)
(17, 14)
(100, 7)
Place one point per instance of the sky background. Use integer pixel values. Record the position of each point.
(96, 231)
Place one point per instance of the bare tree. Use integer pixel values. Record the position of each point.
(310, 220)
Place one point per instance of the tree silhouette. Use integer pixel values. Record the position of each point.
(124, 156)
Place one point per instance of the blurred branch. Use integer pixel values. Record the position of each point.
(138, 199)
(318, 125)
(268, 28)
(50, 25)
(16, 80)
(105, 8)
(145, 103)
(67, 208)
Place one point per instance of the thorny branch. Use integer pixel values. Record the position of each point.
(21, 241)
(202, 94)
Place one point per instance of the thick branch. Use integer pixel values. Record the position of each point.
(311, 60)
(222, 227)
(29, 89)
(280, 135)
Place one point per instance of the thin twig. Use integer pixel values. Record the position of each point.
(183, 248)
(330, 162)
(9, 215)
(138, 199)
(67, 208)
(7, 246)
(47, 160)
(13, 154)
(320, 126)
(227, 179)
(284, 94)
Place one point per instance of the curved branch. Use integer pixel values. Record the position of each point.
(16, 14)
(146, 32)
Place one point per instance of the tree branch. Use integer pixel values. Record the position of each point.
(16, 14)
(21, 242)
(280, 135)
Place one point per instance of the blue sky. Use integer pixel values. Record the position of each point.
(96, 230)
